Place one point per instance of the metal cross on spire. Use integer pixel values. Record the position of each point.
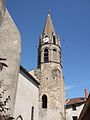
(49, 12)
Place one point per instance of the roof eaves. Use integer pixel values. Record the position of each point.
(28, 74)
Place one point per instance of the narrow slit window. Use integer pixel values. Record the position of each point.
(32, 113)
(54, 40)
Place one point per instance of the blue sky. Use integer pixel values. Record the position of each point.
(71, 19)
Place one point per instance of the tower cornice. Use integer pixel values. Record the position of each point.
(49, 44)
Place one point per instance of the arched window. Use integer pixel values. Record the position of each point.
(54, 55)
(44, 101)
(54, 40)
(46, 55)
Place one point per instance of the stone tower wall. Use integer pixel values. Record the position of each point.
(53, 87)
(51, 79)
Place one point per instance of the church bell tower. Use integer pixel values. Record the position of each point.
(51, 90)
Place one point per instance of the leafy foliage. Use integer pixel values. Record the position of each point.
(4, 109)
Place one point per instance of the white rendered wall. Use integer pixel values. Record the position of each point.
(27, 96)
(70, 112)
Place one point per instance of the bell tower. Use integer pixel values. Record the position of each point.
(51, 91)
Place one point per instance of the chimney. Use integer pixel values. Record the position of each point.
(86, 93)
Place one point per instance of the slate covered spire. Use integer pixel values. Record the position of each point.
(48, 27)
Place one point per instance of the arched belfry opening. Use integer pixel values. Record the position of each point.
(44, 101)
(46, 55)
(55, 55)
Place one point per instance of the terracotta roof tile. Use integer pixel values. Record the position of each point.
(75, 100)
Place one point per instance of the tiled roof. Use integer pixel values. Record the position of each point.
(75, 100)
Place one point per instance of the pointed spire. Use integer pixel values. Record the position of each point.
(48, 28)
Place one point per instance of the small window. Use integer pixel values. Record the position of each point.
(74, 107)
(46, 55)
(55, 50)
(54, 40)
(44, 101)
(32, 113)
(74, 117)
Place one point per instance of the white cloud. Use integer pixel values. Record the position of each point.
(69, 87)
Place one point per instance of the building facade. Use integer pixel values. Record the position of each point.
(27, 97)
(74, 107)
(49, 74)
(38, 95)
